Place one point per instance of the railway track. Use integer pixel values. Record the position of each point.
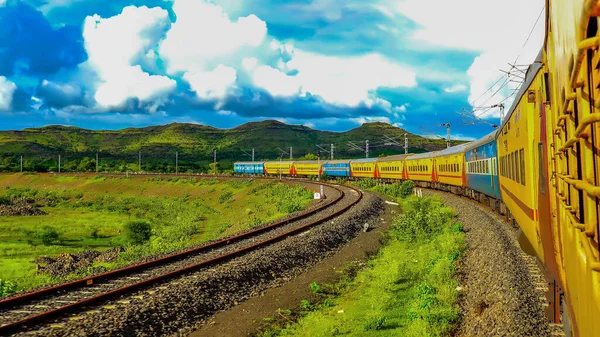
(26, 311)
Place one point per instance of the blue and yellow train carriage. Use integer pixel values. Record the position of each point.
(482, 170)
(249, 168)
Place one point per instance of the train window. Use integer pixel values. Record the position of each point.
(517, 167)
(508, 165)
(522, 163)
(541, 168)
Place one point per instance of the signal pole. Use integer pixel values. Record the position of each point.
(215, 161)
(367, 149)
(21, 164)
(406, 143)
(332, 147)
(447, 125)
(176, 162)
(96, 162)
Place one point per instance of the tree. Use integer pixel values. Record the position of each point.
(211, 167)
(138, 231)
(309, 156)
(87, 165)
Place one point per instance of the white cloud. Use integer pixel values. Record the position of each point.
(456, 88)
(471, 28)
(399, 109)
(7, 89)
(276, 82)
(2, 3)
(211, 84)
(309, 125)
(347, 81)
(249, 63)
(225, 112)
(114, 46)
(204, 34)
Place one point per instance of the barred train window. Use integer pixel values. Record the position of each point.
(522, 151)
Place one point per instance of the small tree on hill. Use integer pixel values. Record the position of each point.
(309, 156)
(138, 231)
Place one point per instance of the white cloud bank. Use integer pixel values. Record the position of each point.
(497, 29)
(115, 45)
(7, 89)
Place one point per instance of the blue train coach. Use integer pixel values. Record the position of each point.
(337, 168)
(249, 168)
(481, 158)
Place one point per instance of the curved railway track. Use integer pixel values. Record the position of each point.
(25, 311)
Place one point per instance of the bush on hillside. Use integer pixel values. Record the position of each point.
(422, 217)
(138, 231)
(48, 235)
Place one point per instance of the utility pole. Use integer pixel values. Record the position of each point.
(447, 125)
(176, 162)
(96, 162)
(59, 163)
(21, 164)
(501, 106)
(332, 147)
(280, 163)
(406, 143)
(367, 149)
(252, 155)
(215, 161)
(140, 161)
(290, 153)
(319, 173)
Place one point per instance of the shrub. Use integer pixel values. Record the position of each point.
(306, 305)
(315, 287)
(7, 287)
(422, 217)
(366, 183)
(225, 197)
(48, 235)
(138, 231)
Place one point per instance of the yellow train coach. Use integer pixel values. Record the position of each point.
(392, 167)
(274, 167)
(419, 167)
(307, 168)
(449, 165)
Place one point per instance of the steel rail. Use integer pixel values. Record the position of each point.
(45, 316)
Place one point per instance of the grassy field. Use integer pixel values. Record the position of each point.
(92, 213)
(408, 289)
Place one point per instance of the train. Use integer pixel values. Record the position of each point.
(539, 168)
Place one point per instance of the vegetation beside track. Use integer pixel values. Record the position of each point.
(408, 289)
(99, 213)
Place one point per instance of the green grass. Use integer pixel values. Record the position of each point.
(408, 289)
(91, 213)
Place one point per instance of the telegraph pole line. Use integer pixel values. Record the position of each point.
(332, 147)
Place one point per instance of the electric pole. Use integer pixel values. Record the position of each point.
(406, 143)
(290, 153)
(59, 163)
(332, 147)
(96, 162)
(215, 161)
(319, 174)
(252, 155)
(140, 161)
(280, 163)
(367, 149)
(176, 162)
(21, 164)
(447, 125)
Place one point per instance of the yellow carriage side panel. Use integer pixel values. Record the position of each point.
(420, 169)
(306, 169)
(274, 167)
(450, 169)
(573, 58)
(363, 169)
(391, 169)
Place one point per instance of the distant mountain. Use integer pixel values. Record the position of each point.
(118, 150)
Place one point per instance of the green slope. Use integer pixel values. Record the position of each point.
(118, 150)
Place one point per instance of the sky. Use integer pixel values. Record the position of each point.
(326, 64)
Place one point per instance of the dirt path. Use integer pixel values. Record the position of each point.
(247, 317)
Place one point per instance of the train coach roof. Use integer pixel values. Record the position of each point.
(363, 160)
(532, 71)
(425, 155)
(395, 157)
(285, 162)
(452, 150)
(490, 137)
(307, 161)
(248, 162)
(339, 161)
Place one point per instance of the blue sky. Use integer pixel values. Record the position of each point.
(327, 64)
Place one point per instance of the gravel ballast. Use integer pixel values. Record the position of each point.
(498, 280)
(180, 305)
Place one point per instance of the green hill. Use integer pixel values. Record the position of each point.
(118, 150)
